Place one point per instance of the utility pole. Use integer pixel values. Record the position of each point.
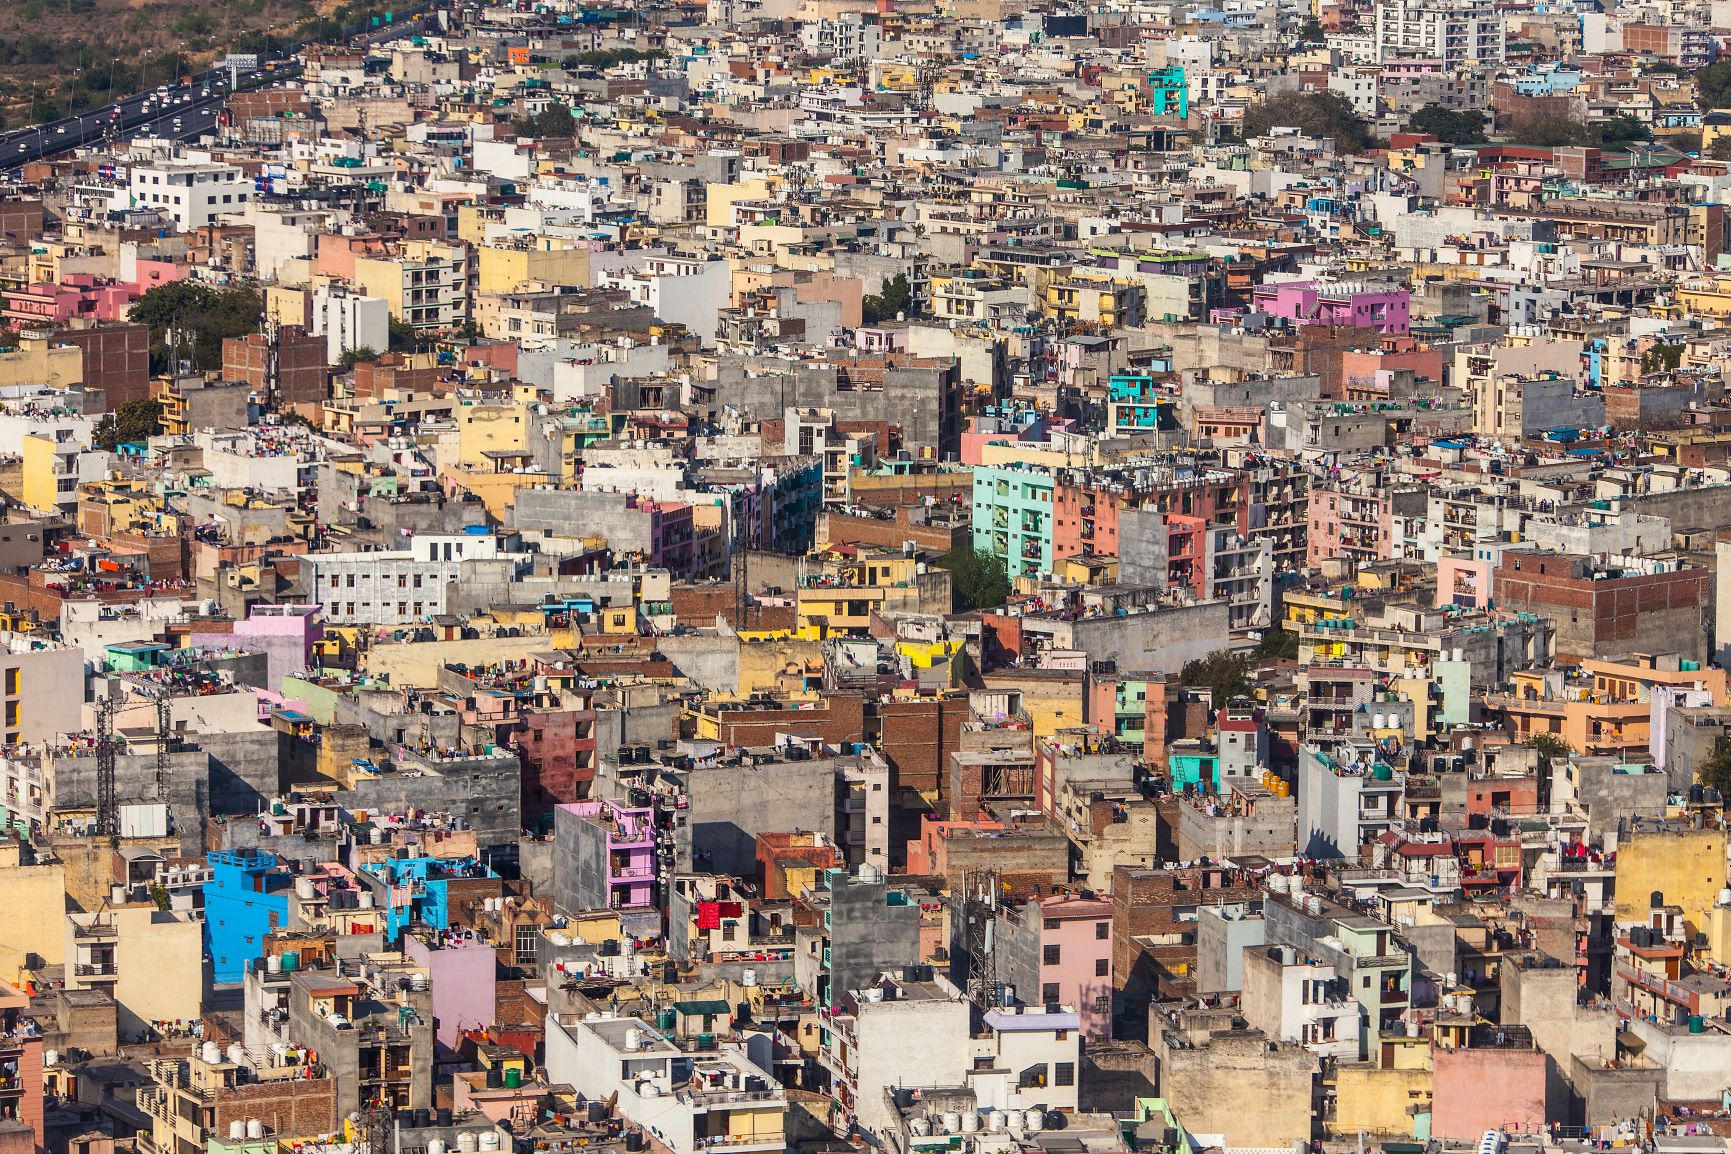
(107, 808)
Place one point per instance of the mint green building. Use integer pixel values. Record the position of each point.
(1013, 517)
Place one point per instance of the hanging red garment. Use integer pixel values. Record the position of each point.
(709, 915)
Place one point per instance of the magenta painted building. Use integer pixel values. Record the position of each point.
(604, 856)
(461, 971)
(1387, 310)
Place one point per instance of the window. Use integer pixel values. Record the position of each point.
(1049, 994)
(528, 942)
(1103, 1004)
(14, 681)
(1051, 923)
(1064, 1074)
(1050, 955)
(1102, 931)
(1102, 967)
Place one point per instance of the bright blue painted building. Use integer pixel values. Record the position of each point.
(245, 900)
(416, 890)
(1168, 94)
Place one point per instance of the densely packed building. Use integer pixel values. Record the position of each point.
(929, 575)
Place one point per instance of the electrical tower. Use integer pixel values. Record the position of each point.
(107, 807)
(979, 929)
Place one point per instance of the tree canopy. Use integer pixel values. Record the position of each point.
(1224, 673)
(133, 423)
(1323, 114)
(1448, 125)
(553, 121)
(977, 580)
(895, 297)
(1713, 86)
(194, 319)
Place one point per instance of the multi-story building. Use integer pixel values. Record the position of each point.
(150, 960)
(1012, 517)
(405, 586)
(21, 1042)
(1058, 950)
(425, 283)
(190, 193)
(1460, 35)
(604, 856)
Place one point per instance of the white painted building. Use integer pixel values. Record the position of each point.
(350, 321)
(190, 193)
(406, 586)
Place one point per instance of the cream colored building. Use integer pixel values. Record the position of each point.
(34, 897)
(151, 960)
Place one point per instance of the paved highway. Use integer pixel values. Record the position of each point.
(178, 112)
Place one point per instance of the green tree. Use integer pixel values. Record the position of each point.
(1551, 746)
(355, 356)
(1310, 32)
(1662, 358)
(1277, 644)
(1225, 673)
(1448, 125)
(1713, 86)
(894, 298)
(405, 338)
(1720, 149)
(1548, 130)
(1328, 115)
(132, 424)
(1714, 770)
(553, 121)
(977, 580)
(196, 318)
(1618, 132)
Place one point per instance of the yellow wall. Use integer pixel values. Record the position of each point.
(1376, 1101)
(1052, 703)
(720, 199)
(1687, 867)
(480, 428)
(40, 484)
(34, 898)
(504, 270)
(418, 663)
(36, 362)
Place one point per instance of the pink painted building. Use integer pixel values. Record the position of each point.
(1057, 950)
(56, 304)
(286, 634)
(1387, 310)
(1464, 581)
(462, 974)
(1487, 1087)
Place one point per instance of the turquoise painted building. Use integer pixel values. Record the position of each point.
(1133, 403)
(1013, 517)
(1168, 95)
(1193, 767)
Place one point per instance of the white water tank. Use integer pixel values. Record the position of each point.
(995, 1123)
(51, 1057)
(489, 1140)
(1036, 1122)
(435, 1146)
(649, 1090)
(748, 978)
(237, 1130)
(211, 1053)
(273, 964)
(633, 1039)
(366, 900)
(1013, 1119)
(305, 890)
(952, 1122)
(254, 1129)
(237, 1054)
(418, 981)
(466, 1142)
(919, 1127)
(971, 1122)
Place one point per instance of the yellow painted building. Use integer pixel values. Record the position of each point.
(37, 362)
(489, 428)
(1687, 866)
(546, 261)
(719, 199)
(1373, 1100)
(34, 898)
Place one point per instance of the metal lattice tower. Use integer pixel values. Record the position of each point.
(107, 806)
(164, 727)
(979, 929)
